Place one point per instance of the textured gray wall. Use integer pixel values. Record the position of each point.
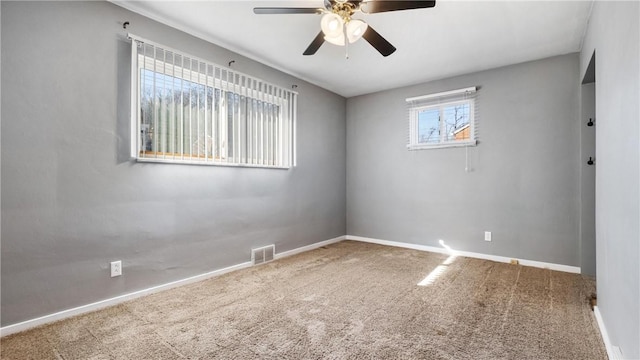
(587, 181)
(614, 34)
(523, 179)
(71, 200)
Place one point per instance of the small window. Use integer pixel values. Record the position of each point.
(442, 120)
(186, 110)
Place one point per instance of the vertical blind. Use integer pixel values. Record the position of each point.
(188, 110)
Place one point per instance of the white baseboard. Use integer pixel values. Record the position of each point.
(28, 324)
(25, 325)
(310, 247)
(613, 352)
(443, 250)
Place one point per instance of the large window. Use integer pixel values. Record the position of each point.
(186, 110)
(442, 120)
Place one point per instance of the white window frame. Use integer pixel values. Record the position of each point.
(440, 101)
(286, 158)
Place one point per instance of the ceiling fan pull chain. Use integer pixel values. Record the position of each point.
(346, 40)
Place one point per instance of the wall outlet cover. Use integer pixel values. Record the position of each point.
(116, 268)
(487, 236)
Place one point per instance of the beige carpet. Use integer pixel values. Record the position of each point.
(349, 300)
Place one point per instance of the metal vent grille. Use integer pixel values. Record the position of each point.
(263, 254)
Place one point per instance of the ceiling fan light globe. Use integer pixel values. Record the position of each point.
(335, 40)
(355, 30)
(331, 24)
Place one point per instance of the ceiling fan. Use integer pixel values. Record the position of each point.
(338, 26)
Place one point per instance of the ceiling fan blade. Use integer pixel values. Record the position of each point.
(315, 44)
(378, 42)
(282, 10)
(378, 6)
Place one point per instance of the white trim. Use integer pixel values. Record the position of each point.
(471, 89)
(442, 145)
(211, 163)
(613, 352)
(28, 324)
(399, 244)
(443, 139)
(442, 250)
(227, 82)
(64, 314)
(25, 325)
(294, 118)
(135, 95)
(310, 247)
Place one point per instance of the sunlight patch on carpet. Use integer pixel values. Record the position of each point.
(440, 269)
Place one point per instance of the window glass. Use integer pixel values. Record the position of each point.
(429, 126)
(192, 111)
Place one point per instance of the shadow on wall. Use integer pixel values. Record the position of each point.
(123, 122)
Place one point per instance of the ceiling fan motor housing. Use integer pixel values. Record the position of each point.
(338, 27)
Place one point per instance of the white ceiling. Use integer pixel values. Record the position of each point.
(453, 38)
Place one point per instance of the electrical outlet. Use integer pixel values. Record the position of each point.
(116, 268)
(487, 236)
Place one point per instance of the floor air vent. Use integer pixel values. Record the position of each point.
(263, 254)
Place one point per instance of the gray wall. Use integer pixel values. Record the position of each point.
(523, 179)
(72, 201)
(614, 34)
(587, 180)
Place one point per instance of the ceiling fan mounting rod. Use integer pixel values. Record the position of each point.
(344, 10)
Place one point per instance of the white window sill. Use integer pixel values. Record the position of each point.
(188, 162)
(442, 145)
